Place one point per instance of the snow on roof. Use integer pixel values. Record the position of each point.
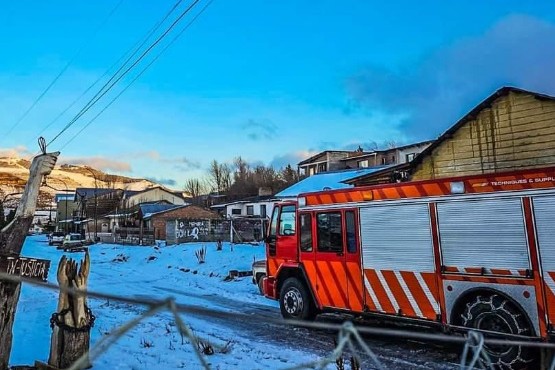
(326, 181)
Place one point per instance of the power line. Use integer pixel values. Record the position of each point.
(97, 97)
(135, 48)
(64, 69)
(139, 74)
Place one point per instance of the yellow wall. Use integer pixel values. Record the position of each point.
(516, 132)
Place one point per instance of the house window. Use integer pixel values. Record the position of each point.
(363, 164)
(306, 232)
(250, 210)
(383, 160)
(287, 221)
(410, 156)
(330, 236)
(236, 211)
(263, 210)
(322, 167)
(393, 159)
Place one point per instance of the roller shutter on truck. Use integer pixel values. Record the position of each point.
(484, 233)
(398, 260)
(544, 214)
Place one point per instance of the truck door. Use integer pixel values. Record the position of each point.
(330, 260)
(282, 239)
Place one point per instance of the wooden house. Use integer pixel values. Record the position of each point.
(511, 129)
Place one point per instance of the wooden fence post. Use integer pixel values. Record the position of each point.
(72, 322)
(12, 238)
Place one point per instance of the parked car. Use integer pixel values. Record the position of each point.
(72, 241)
(258, 273)
(57, 237)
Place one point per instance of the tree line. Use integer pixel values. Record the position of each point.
(240, 180)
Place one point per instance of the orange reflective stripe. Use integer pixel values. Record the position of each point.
(380, 291)
(398, 293)
(430, 280)
(337, 271)
(418, 293)
(355, 286)
(321, 270)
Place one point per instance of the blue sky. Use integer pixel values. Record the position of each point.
(272, 81)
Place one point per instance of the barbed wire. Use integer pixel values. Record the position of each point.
(348, 335)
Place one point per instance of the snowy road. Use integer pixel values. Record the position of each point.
(257, 343)
(391, 352)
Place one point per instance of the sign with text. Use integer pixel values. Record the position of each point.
(31, 268)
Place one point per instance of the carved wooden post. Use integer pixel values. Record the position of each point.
(11, 242)
(73, 320)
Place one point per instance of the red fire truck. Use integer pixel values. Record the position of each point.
(467, 252)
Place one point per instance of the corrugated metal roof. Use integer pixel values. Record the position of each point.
(326, 181)
(148, 209)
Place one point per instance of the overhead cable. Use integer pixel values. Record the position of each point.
(98, 96)
(64, 69)
(138, 75)
(133, 50)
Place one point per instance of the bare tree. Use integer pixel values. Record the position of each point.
(220, 176)
(195, 187)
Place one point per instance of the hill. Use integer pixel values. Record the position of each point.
(14, 173)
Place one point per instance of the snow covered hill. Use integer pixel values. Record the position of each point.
(15, 171)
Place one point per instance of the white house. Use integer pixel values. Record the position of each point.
(155, 194)
(247, 208)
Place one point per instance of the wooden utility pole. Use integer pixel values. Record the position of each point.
(11, 242)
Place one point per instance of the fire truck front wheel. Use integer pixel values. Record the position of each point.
(295, 301)
(494, 312)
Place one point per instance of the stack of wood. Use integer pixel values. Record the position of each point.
(73, 320)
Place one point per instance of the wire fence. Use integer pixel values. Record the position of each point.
(349, 336)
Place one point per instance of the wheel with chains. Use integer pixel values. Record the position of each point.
(496, 313)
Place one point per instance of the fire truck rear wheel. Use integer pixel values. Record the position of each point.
(497, 313)
(295, 301)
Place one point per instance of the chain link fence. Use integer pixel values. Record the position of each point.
(349, 337)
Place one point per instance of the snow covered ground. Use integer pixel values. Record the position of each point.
(157, 272)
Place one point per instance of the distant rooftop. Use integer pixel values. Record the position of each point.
(326, 181)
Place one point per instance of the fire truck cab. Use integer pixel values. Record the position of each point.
(473, 252)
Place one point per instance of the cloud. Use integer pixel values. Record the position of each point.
(150, 154)
(447, 83)
(16, 152)
(179, 163)
(99, 163)
(292, 158)
(183, 164)
(258, 130)
(169, 182)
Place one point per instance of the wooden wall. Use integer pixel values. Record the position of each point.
(517, 131)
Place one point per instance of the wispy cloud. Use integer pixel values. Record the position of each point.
(163, 181)
(183, 164)
(16, 152)
(518, 51)
(99, 163)
(292, 158)
(260, 129)
(179, 163)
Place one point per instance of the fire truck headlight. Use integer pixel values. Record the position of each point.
(302, 201)
(457, 187)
